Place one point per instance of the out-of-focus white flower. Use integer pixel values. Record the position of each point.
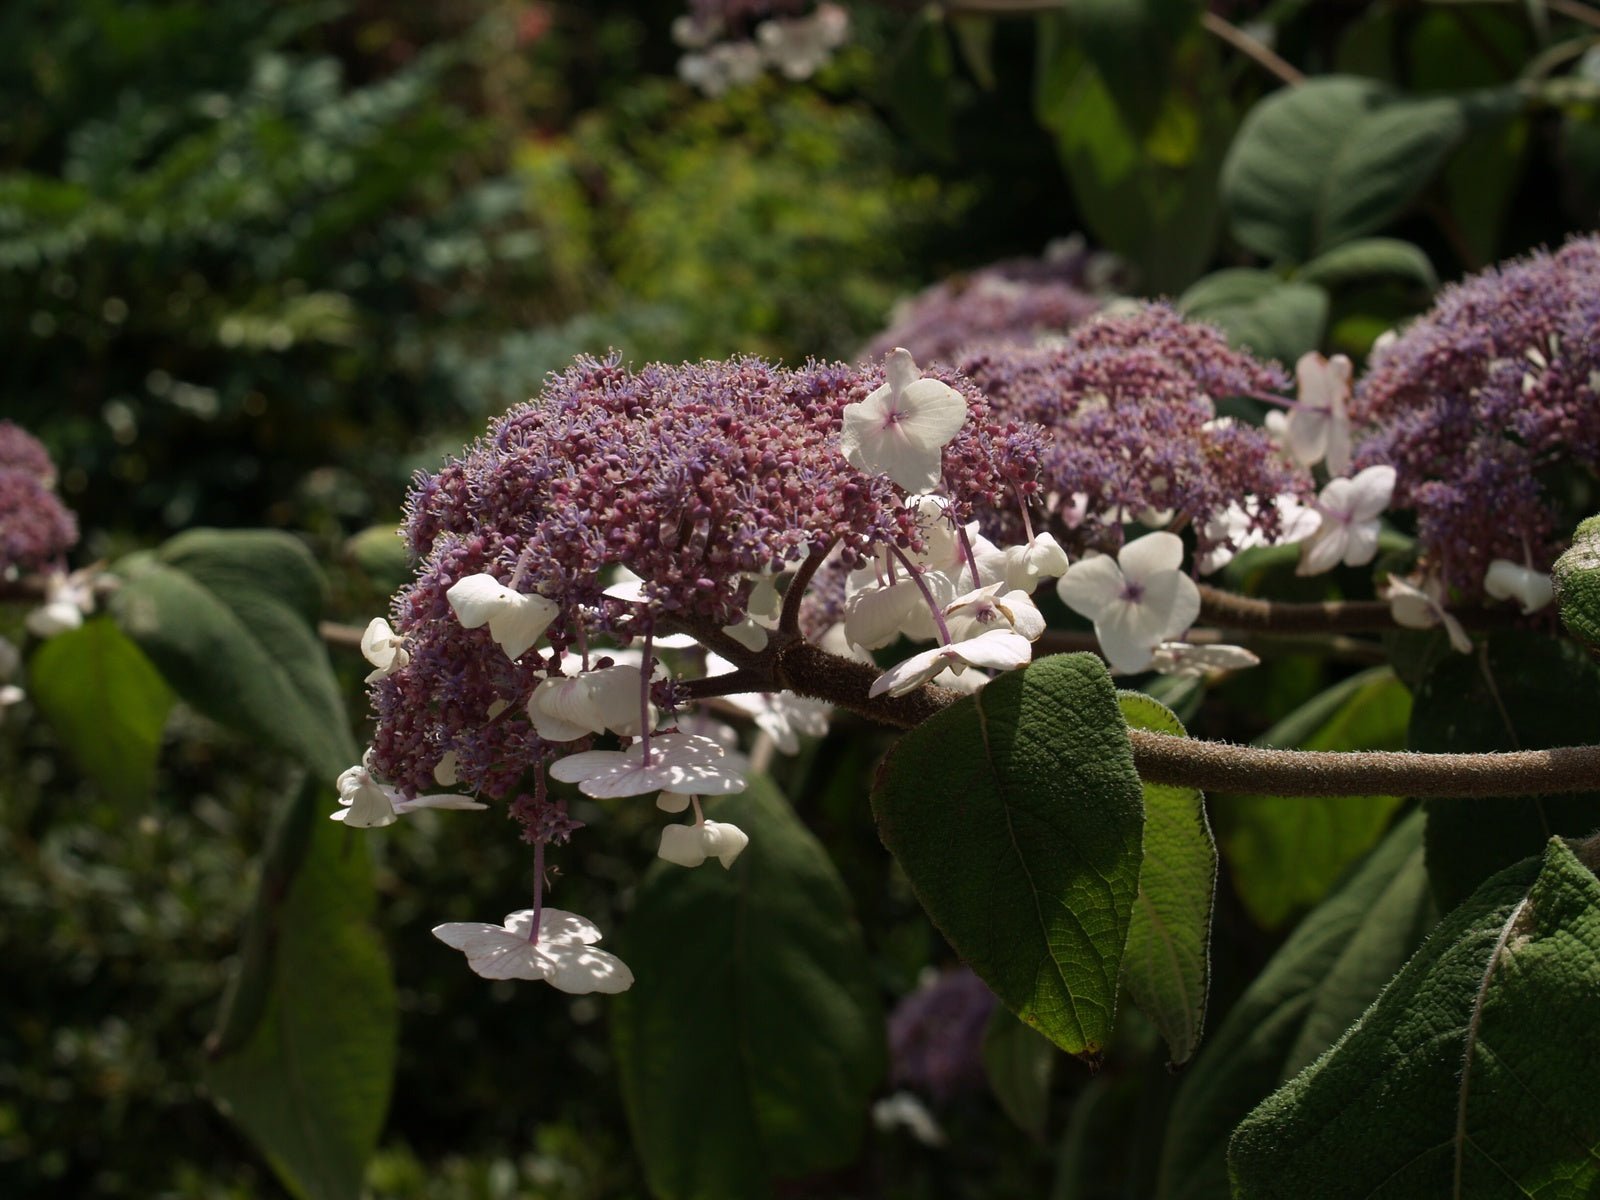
(900, 429)
(67, 600)
(1423, 608)
(383, 649)
(1348, 534)
(563, 955)
(1180, 658)
(1137, 600)
(1319, 427)
(690, 845)
(516, 620)
(367, 804)
(725, 65)
(679, 762)
(903, 1110)
(997, 650)
(800, 46)
(1234, 529)
(1505, 580)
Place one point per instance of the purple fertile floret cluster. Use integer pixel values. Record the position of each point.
(936, 1035)
(1129, 402)
(36, 529)
(695, 477)
(1481, 400)
(1011, 303)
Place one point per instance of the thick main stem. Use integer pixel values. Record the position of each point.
(1232, 611)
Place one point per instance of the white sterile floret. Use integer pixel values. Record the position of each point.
(564, 954)
(1506, 580)
(989, 608)
(563, 708)
(367, 804)
(1319, 426)
(1137, 600)
(691, 845)
(1423, 608)
(1023, 567)
(901, 429)
(997, 650)
(445, 770)
(1233, 530)
(516, 620)
(385, 651)
(679, 762)
(10, 694)
(904, 1110)
(1180, 658)
(1348, 534)
(722, 66)
(67, 598)
(799, 46)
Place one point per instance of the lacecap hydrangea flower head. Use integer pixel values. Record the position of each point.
(1481, 403)
(36, 529)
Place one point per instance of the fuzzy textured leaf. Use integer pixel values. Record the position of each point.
(753, 1038)
(1167, 964)
(1018, 817)
(1471, 1077)
(1577, 580)
(1369, 258)
(1259, 311)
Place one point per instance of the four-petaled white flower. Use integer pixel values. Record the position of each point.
(1505, 580)
(1183, 659)
(367, 804)
(1137, 600)
(1423, 608)
(1319, 426)
(690, 845)
(383, 649)
(563, 708)
(901, 429)
(986, 609)
(67, 599)
(679, 762)
(997, 650)
(516, 620)
(1234, 530)
(799, 46)
(1021, 568)
(564, 954)
(1350, 510)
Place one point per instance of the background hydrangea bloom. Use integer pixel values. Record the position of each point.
(36, 529)
(1482, 401)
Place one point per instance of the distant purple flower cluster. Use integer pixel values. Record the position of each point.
(695, 477)
(936, 1035)
(36, 530)
(1010, 303)
(1129, 401)
(739, 18)
(1477, 400)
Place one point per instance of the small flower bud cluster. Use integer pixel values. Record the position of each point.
(36, 529)
(1017, 302)
(1129, 401)
(1479, 399)
(729, 43)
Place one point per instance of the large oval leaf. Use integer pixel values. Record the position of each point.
(229, 619)
(1167, 964)
(1258, 310)
(753, 1038)
(1018, 818)
(1472, 1076)
(1334, 964)
(1331, 160)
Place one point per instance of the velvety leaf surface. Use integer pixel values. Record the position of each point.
(1326, 162)
(229, 619)
(753, 1037)
(1019, 1064)
(1331, 968)
(1284, 853)
(106, 703)
(303, 1056)
(1166, 966)
(1473, 1075)
(1017, 816)
(1369, 258)
(1519, 691)
(1260, 311)
(1577, 580)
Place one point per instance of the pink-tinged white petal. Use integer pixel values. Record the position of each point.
(1506, 580)
(1370, 493)
(876, 616)
(564, 954)
(457, 803)
(1423, 608)
(521, 622)
(385, 651)
(1144, 557)
(1325, 549)
(1180, 658)
(1174, 594)
(1361, 543)
(932, 413)
(476, 598)
(691, 845)
(1091, 585)
(365, 803)
(1128, 634)
(900, 369)
(911, 674)
(678, 763)
(997, 650)
(672, 802)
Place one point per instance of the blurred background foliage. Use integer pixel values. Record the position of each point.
(261, 261)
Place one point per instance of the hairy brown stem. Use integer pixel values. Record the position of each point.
(1231, 611)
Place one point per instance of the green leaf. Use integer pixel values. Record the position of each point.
(1331, 968)
(229, 619)
(917, 84)
(1017, 816)
(1387, 258)
(106, 703)
(1130, 44)
(753, 1039)
(1111, 1145)
(304, 1052)
(1577, 581)
(1284, 853)
(1259, 311)
(1472, 1076)
(1019, 1064)
(1166, 966)
(1149, 195)
(379, 552)
(1326, 162)
(1519, 691)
